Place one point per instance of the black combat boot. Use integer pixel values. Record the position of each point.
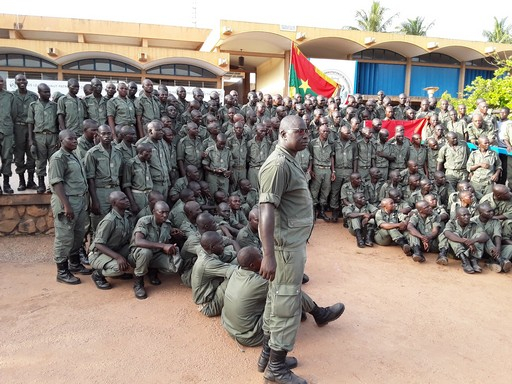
(441, 258)
(42, 187)
(322, 215)
(335, 215)
(324, 315)
(153, 276)
(138, 288)
(7, 186)
(291, 362)
(474, 264)
(100, 280)
(23, 183)
(466, 264)
(402, 242)
(417, 254)
(76, 266)
(64, 276)
(30, 181)
(359, 238)
(278, 372)
(369, 237)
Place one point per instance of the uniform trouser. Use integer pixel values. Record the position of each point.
(21, 149)
(506, 229)
(103, 198)
(383, 172)
(6, 144)
(504, 172)
(453, 176)
(216, 182)
(459, 248)
(214, 307)
(174, 175)
(257, 332)
(162, 187)
(387, 236)
(364, 172)
(141, 259)
(342, 177)
(321, 185)
(252, 175)
(355, 223)
(106, 264)
(69, 234)
(141, 198)
(482, 188)
(441, 242)
(46, 146)
(238, 174)
(506, 252)
(281, 318)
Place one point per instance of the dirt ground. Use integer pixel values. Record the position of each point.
(404, 323)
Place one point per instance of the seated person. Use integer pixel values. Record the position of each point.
(237, 218)
(210, 275)
(222, 218)
(361, 220)
(389, 227)
(248, 195)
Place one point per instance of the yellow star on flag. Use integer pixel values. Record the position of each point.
(304, 85)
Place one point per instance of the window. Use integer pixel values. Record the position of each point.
(436, 58)
(378, 54)
(101, 65)
(184, 70)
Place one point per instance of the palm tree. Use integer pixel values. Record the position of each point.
(372, 21)
(500, 34)
(414, 27)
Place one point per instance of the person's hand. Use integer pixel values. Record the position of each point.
(227, 174)
(68, 212)
(169, 249)
(134, 208)
(333, 176)
(484, 165)
(268, 268)
(495, 253)
(122, 263)
(495, 177)
(403, 225)
(509, 148)
(95, 208)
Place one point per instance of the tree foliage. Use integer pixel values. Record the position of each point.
(374, 20)
(414, 27)
(497, 91)
(501, 32)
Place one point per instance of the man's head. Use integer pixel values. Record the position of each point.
(161, 212)
(355, 179)
(119, 201)
(463, 216)
(249, 258)
(223, 210)
(155, 130)
(211, 242)
(144, 151)
(192, 209)
(254, 218)
(293, 134)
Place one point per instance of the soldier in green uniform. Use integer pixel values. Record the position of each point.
(383, 153)
(22, 99)
(137, 182)
(467, 239)
(248, 195)
(452, 159)
(258, 149)
(96, 103)
(237, 144)
(365, 153)
(389, 227)
(69, 188)
(6, 134)
(71, 109)
(151, 247)
(478, 127)
(217, 164)
(43, 131)
(110, 248)
(484, 166)
(190, 150)
(399, 150)
(87, 140)
(120, 109)
(286, 221)
(147, 108)
(500, 200)
(102, 168)
(321, 169)
(361, 220)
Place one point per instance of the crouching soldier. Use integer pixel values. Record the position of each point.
(389, 227)
(361, 220)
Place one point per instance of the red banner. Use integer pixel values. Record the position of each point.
(411, 126)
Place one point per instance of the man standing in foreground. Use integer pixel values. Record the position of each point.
(286, 221)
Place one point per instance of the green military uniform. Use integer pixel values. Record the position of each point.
(141, 259)
(401, 154)
(481, 177)
(248, 201)
(96, 109)
(158, 165)
(21, 149)
(148, 108)
(6, 131)
(501, 208)
(217, 159)
(425, 227)
(43, 116)
(177, 214)
(487, 129)
(209, 280)
(179, 186)
(344, 155)
(365, 157)
(83, 146)
(373, 191)
(454, 159)
(471, 231)
(104, 168)
(381, 162)
(244, 303)
(321, 154)
(128, 151)
(432, 155)
(386, 187)
(387, 236)
(283, 184)
(137, 177)
(238, 150)
(173, 162)
(190, 152)
(442, 192)
(114, 232)
(67, 169)
(460, 127)
(347, 192)
(355, 223)
(419, 155)
(122, 110)
(246, 237)
(237, 217)
(257, 153)
(73, 110)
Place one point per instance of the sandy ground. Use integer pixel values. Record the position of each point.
(404, 323)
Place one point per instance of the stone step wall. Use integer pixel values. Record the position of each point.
(25, 214)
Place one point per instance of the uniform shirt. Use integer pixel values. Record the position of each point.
(426, 225)
(347, 191)
(283, 184)
(467, 232)
(96, 108)
(500, 207)
(373, 191)
(237, 217)
(352, 208)
(453, 157)
(151, 231)
(488, 130)
(419, 155)
(381, 217)
(158, 164)
(148, 108)
(460, 127)
(401, 154)
(122, 110)
(257, 152)
(238, 150)
(43, 116)
(345, 152)
(321, 152)
(382, 162)
(103, 166)
(113, 231)
(190, 151)
(73, 110)
(137, 175)
(250, 199)
(21, 104)
(492, 228)
(365, 153)
(246, 237)
(482, 175)
(216, 158)
(67, 169)
(6, 112)
(83, 146)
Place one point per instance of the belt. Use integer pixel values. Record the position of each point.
(45, 133)
(108, 186)
(255, 167)
(322, 166)
(239, 167)
(137, 191)
(20, 123)
(364, 167)
(79, 195)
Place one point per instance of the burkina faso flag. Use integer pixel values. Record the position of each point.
(306, 78)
